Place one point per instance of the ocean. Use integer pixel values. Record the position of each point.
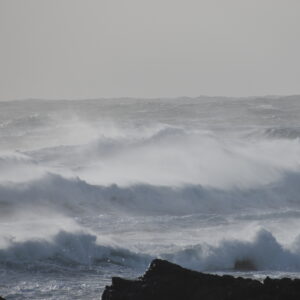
(91, 189)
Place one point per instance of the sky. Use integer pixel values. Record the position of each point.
(77, 49)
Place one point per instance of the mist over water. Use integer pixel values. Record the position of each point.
(96, 188)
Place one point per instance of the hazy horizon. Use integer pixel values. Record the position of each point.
(70, 49)
(155, 98)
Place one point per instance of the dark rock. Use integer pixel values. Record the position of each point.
(1, 298)
(166, 281)
(244, 265)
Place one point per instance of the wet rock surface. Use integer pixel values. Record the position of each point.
(164, 280)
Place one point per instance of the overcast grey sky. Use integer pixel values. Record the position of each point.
(148, 48)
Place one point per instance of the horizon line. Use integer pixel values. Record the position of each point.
(270, 96)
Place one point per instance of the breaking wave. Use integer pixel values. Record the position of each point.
(69, 249)
(65, 249)
(263, 253)
(74, 196)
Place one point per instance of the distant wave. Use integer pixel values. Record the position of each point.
(279, 132)
(176, 156)
(23, 123)
(76, 197)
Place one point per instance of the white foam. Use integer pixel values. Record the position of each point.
(17, 167)
(176, 157)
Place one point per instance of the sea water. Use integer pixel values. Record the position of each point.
(91, 189)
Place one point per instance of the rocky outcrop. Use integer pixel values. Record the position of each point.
(166, 281)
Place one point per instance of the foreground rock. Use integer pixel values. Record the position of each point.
(166, 281)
